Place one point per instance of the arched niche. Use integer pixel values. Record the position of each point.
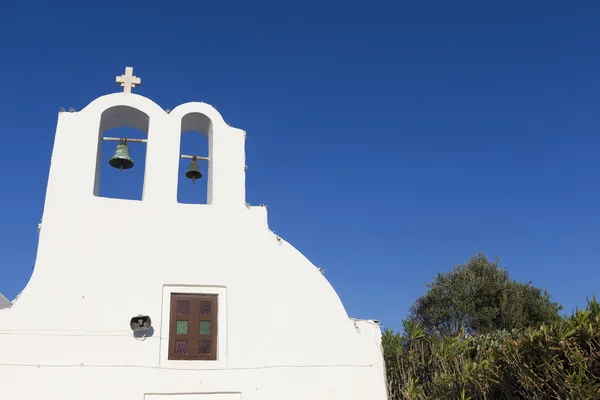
(195, 140)
(121, 122)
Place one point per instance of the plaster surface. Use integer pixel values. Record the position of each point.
(283, 331)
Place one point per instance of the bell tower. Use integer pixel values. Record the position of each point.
(79, 136)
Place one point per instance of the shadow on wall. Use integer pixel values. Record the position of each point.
(144, 334)
(4, 302)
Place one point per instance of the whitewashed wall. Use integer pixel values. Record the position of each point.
(283, 332)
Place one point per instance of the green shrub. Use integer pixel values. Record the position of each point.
(560, 360)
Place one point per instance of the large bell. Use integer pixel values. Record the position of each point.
(121, 160)
(193, 171)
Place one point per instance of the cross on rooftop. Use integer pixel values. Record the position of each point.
(128, 80)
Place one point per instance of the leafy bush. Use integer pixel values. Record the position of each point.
(558, 360)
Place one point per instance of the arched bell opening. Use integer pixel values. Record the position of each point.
(193, 183)
(121, 158)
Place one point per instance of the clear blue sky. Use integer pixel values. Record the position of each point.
(390, 141)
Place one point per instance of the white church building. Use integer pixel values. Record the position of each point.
(159, 300)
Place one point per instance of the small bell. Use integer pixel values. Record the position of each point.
(193, 171)
(121, 159)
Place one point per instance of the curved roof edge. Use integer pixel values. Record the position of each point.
(149, 107)
(198, 107)
(141, 103)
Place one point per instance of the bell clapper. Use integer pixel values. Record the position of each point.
(123, 141)
(121, 166)
(194, 176)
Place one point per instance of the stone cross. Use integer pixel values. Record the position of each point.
(128, 80)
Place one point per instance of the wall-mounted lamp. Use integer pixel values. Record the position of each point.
(140, 323)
